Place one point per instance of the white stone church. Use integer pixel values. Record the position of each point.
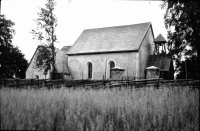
(97, 51)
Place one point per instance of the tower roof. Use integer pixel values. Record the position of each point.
(160, 39)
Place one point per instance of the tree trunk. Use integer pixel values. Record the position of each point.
(198, 55)
(53, 50)
(53, 61)
(52, 71)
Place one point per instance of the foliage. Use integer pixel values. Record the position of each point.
(166, 108)
(191, 66)
(45, 33)
(183, 17)
(43, 58)
(6, 31)
(12, 61)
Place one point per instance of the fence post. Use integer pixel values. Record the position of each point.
(83, 83)
(43, 83)
(4, 82)
(103, 84)
(31, 82)
(62, 82)
(157, 83)
(127, 82)
(38, 83)
(17, 83)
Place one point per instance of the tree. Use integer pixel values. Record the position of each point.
(45, 33)
(184, 40)
(12, 61)
(189, 66)
(6, 31)
(13, 64)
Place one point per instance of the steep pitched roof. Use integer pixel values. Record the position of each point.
(66, 48)
(160, 38)
(32, 57)
(158, 61)
(110, 39)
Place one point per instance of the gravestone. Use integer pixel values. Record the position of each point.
(117, 73)
(152, 72)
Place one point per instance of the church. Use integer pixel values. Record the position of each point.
(132, 48)
(32, 72)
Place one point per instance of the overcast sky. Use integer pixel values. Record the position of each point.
(76, 15)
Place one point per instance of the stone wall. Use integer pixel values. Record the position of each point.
(100, 62)
(145, 50)
(32, 71)
(61, 66)
(61, 62)
(134, 63)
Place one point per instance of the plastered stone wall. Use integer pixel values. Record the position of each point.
(145, 50)
(61, 65)
(78, 64)
(153, 74)
(32, 71)
(61, 61)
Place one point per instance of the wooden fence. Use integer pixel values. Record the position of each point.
(33, 83)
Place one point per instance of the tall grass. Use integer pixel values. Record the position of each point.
(100, 110)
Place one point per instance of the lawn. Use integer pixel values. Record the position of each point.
(166, 108)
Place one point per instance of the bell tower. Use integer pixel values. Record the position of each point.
(160, 46)
(160, 65)
(158, 55)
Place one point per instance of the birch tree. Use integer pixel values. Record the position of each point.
(45, 34)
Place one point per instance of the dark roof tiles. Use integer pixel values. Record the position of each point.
(163, 63)
(160, 38)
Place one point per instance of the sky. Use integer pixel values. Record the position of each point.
(76, 15)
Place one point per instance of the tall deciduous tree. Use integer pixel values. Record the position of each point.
(188, 68)
(184, 39)
(6, 31)
(45, 33)
(12, 61)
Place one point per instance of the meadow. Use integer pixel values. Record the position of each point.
(166, 108)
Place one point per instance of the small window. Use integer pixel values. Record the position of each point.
(89, 70)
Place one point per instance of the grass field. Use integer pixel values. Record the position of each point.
(167, 108)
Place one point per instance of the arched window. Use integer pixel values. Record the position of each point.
(112, 65)
(89, 70)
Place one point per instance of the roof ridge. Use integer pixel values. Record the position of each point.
(116, 26)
